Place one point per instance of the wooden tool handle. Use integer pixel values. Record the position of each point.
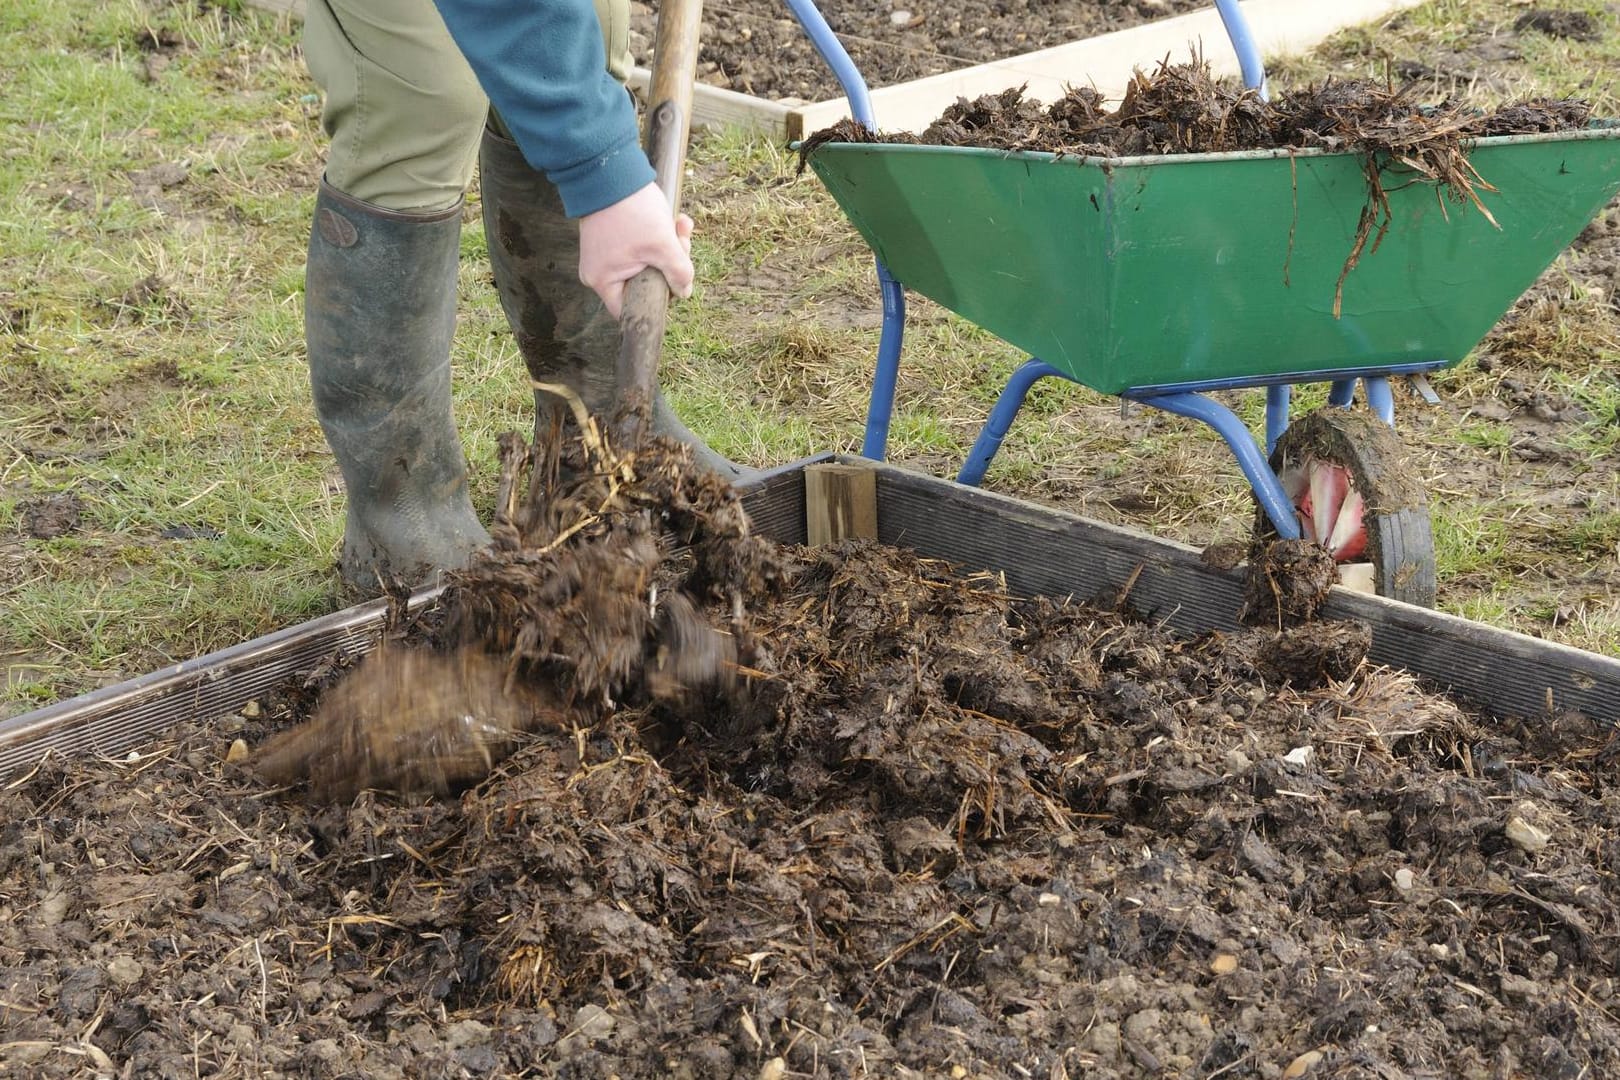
(646, 297)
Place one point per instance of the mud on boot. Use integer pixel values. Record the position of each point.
(379, 313)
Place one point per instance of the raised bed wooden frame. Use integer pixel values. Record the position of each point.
(1039, 551)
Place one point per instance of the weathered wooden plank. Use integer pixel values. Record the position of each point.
(1046, 552)
(775, 501)
(840, 502)
(108, 722)
(1049, 552)
(718, 107)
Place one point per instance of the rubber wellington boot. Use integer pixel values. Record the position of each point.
(379, 312)
(563, 331)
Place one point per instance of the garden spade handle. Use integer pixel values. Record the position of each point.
(646, 297)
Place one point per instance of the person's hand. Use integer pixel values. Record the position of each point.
(618, 242)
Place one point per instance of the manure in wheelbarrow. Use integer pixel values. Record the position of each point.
(1184, 109)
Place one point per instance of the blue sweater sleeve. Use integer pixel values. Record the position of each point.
(543, 66)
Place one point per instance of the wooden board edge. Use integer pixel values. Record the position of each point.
(113, 719)
(718, 107)
(1494, 670)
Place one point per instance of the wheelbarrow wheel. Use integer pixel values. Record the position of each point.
(1358, 452)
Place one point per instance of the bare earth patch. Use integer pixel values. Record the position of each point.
(932, 830)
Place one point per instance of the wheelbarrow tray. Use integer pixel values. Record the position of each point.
(1040, 551)
(1129, 274)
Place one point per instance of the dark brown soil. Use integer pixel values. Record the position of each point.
(52, 516)
(1576, 25)
(1287, 582)
(756, 47)
(928, 829)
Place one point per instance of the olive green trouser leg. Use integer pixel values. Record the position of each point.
(401, 106)
(406, 116)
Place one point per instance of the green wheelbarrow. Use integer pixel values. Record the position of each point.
(1160, 279)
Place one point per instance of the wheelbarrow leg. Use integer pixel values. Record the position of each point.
(1277, 401)
(875, 444)
(887, 375)
(1267, 488)
(1380, 398)
(1001, 419)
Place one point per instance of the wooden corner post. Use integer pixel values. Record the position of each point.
(840, 503)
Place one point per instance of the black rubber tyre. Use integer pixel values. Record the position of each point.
(1400, 542)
